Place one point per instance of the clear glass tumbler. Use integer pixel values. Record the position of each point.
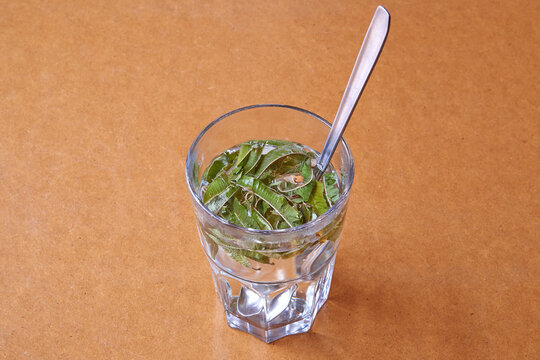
(282, 296)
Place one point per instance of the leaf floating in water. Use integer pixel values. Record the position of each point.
(217, 202)
(277, 201)
(253, 158)
(245, 149)
(300, 181)
(215, 168)
(243, 216)
(276, 154)
(216, 187)
(267, 185)
(241, 259)
(307, 212)
(331, 188)
(261, 220)
(318, 201)
(195, 173)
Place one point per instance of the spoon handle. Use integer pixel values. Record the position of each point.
(367, 56)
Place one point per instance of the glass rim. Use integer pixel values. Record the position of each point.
(299, 228)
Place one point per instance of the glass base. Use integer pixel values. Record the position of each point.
(268, 335)
(270, 311)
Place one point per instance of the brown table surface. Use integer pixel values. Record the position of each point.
(100, 100)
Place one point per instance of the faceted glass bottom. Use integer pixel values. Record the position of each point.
(272, 310)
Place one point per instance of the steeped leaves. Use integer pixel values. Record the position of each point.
(216, 203)
(266, 185)
(243, 216)
(216, 187)
(215, 167)
(277, 201)
(317, 200)
(330, 188)
(276, 154)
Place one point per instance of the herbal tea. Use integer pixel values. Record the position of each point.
(266, 185)
(269, 229)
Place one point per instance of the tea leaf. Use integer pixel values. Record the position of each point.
(253, 158)
(306, 212)
(305, 191)
(330, 188)
(318, 200)
(263, 223)
(278, 142)
(257, 256)
(266, 185)
(234, 253)
(274, 199)
(291, 253)
(276, 154)
(243, 217)
(307, 177)
(231, 156)
(195, 173)
(217, 186)
(217, 202)
(243, 153)
(283, 225)
(265, 207)
(215, 167)
(240, 258)
(297, 200)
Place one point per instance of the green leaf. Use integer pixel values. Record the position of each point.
(253, 158)
(257, 256)
(274, 199)
(227, 214)
(331, 189)
(195, 173)
(274, 219)
(217, 202)
(215, 167)
(297, 200)
(239, 255)
(307, 175)
(242, 215)
(283, 225)
(294, 252)
(265, 207)
(216, 187)
(231, 156)
(278, 142)
(244, 151)
(305, 191)
(263, 223)
(255, 185)
(307, 172)
(240, 258)
(318, 200)
(216, 235)
(276, 154)
(290, 164)
(306, 212)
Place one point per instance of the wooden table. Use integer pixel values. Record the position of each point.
(100, 100)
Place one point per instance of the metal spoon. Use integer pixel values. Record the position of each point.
(367, 56)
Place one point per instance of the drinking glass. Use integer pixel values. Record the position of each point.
(282, 296)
